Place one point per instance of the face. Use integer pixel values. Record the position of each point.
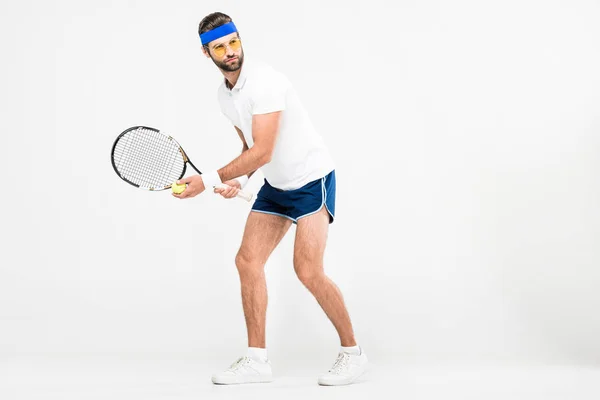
(226, 52)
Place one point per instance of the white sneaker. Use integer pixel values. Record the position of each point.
(245, 370)
(346, 369)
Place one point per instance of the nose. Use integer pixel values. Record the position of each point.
(229, 52)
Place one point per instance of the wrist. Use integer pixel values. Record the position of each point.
(211, 179)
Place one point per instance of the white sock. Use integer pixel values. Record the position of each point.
(354, 350)
(257, 354)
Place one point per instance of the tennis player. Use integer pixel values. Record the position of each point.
(299, 188)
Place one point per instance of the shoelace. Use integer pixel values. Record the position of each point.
(239, 363)
(340, 363)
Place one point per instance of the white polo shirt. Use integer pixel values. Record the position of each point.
(300, 155)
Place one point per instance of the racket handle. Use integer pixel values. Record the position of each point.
(245, 196)
(241, 194)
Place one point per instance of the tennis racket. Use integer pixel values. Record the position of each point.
(152, 160)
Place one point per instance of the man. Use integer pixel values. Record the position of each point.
(299, 188)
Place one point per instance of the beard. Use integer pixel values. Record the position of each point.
(230, 67)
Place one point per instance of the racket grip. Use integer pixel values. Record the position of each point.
(245, 196)
(241, 194)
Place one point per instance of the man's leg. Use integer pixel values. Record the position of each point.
(262, 234)
(309, 248)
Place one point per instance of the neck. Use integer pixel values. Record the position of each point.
(232, 77)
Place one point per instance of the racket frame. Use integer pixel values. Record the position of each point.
(186, 160)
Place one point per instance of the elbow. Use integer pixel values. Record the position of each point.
(266, 157)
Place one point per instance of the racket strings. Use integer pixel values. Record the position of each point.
(155, 149)
(148, 158)
(152, 165)
(155, 156)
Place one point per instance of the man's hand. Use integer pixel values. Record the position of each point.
(195, 186)
(233, 188)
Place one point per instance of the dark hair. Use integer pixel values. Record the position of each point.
(212, 21)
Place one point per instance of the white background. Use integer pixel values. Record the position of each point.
(466, 136)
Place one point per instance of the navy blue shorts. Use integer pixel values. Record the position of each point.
(298, 203)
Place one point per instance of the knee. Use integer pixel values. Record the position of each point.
(246, 263)
(309, 273)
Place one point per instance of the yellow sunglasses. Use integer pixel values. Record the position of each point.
(220, 49)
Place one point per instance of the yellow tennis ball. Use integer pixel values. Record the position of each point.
(178, 188)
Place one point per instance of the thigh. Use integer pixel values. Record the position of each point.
(262, 234)
(311, 237)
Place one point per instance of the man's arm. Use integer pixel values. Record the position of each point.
(265, 128)
(245, 145)
(264, 133)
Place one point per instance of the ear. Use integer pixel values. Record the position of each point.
(205, 52)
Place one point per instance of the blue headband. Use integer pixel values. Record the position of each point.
(218, 32)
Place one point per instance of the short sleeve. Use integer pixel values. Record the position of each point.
(270, 94)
